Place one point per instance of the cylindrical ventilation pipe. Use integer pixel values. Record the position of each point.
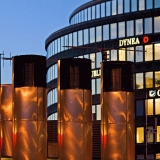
(117, 111)
(29, 108)
(6, 120)
(74, 109)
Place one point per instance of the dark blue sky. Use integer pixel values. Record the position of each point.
(25, 25)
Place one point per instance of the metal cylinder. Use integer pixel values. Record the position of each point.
(74, 109)
(29, 108)
(6, 120)
(117, 111)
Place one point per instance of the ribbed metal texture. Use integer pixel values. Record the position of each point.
(75, 124)
(30, 126)
(117, 126)
(6, 120)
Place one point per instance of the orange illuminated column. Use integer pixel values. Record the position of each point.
(29, 108)
(6, 120)
(117, 111)
(74, 109)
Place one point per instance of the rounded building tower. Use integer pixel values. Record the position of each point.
(126, 30)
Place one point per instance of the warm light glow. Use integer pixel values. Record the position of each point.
(140, 135)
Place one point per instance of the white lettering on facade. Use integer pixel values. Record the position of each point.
(127, 42)
(154, 93)
(96, 73)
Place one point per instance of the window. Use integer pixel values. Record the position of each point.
(108, 8)
(75, 39)
(122, 56)
(141, 5)
(139, 80)
(133, 5)
(157, 78)
(98, 33)
(98, 112)
(149, 4)
(98, 86)
(149, 106)
(149, 79)
(158, 134)
(114, 7)
(121, 29)
(70, 39)
(85, 15)
(80, 38)
(120, 6)
(89, 13)
(93, 87)
(156, 3)
(147, 25)
(139, 108)
(98, 11)
(106, 32)
(158, 156)
(130, 54)
(113, 55)
(150, 134)
(130, 27)
(139, 54)
(85, 40)
(102, 9)
(157, 24)
(157, 51)
(92, 35)
(126, 6)
(149, 52)
(113, 28)
(98, 59)
(93, 12)
(140, 134)
(92, 58)
(140, 156)
(157, 106)
(139, 26)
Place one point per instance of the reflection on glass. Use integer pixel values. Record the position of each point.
(120, 6)
(157, 104)
(89, 13)
(59, 44)
(126, 6)
(148, 25)
(85, 36)
(149, 79)
(149, 4)
(93, 109)
(92, 58)
(93, 87)
(106, 32)
(98, 59)
(149, 52)
(149, 106)
(139, 26)
(85, 15)
(130, 27)
(75, 39)
(113, 55)
(62, 43)
(157, 51)
(98, 33)
(121, 29)
(80, 39)
(158, 134)
(55, 71)
(139, 108)
(93, 12)
(140, 134)
(70, 39)
(150, 135)
(157, 78)
(55, 45)
(114, 7)
(156, 24)
(108, 8)
(98, 11)
(102, 9)
(139, 80)
(156, 3)
(98, 86)
(130, 54)
(122, 55)
(92, 35)
(113, 28)
(98, 115)
(141, 5)
(139, 53)
(86, 56)
(66, 41)
(133, 5)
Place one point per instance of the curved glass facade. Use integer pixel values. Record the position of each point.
(129, 30)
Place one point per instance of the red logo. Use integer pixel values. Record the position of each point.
(145, 39)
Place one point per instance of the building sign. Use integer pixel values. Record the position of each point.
(129, 42)
(154, 93)
(96, 73)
